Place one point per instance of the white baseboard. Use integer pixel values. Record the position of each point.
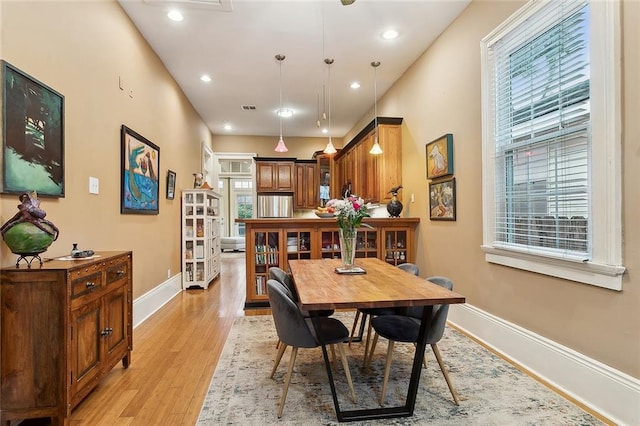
(609, 392)
(147, 304)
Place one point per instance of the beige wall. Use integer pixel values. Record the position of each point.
(80, 49)
(300, 148)
(440, 94)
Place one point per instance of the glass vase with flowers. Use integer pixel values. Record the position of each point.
(349, 213)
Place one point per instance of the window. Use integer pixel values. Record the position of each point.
(235, 166)
(551, 132)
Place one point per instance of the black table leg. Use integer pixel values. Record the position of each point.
(412, 391)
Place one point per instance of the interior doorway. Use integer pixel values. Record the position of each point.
(236, 184)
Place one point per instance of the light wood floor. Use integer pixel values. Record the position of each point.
(175, 353)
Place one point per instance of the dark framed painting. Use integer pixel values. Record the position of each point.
(442, 199)
(440, 157)
(32, 135)
(140, 164)
(171, 184)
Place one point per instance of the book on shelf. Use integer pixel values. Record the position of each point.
(261, 285)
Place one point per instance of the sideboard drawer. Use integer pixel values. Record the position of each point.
(117, 270)
(86, 284)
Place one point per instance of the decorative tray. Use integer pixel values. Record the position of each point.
(353, 271)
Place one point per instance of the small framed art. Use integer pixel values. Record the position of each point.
(442, 199)
(440, 157)
(140, 164)
(171, 184)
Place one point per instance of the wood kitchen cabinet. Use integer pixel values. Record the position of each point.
(307, 186)
(63, 326)
(275, 174)
(372, 176)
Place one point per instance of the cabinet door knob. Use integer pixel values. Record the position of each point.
(105, 332)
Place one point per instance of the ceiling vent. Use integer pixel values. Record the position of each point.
(248, 107)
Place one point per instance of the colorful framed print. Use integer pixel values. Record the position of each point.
(32, 135)
(171, 184)
(440, 157)
(140, 163)
(442, 199)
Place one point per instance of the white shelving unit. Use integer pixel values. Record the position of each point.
(200, 237)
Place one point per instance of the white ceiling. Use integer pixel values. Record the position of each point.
(235, 42)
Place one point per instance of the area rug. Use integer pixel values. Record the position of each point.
(491, 391)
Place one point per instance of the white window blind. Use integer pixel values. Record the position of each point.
(540, 88)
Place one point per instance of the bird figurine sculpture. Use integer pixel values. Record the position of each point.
(394, 207)
(395, 189)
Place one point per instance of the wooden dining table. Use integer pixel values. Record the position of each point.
(382, 285)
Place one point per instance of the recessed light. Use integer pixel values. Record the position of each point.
(325, 131)
(284, 112)
(227, 126)
(205, 78)
(355, 85)
(389, 34)
(175, 15)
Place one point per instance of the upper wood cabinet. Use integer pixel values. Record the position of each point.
(275, 174)
(307, 187)
(372, 176)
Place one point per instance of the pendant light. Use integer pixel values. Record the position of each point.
(375, 149)
(281, 147)
(330, 149)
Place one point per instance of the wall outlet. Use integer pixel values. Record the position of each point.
(168, 273)
(413, 198)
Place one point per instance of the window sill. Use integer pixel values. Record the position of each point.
(597, 274)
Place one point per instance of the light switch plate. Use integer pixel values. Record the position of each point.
(94, 185)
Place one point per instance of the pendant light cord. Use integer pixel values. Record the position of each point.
(280, 58)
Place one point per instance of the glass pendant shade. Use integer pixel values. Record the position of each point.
(375, 149)
(281, 147)
(330, 149)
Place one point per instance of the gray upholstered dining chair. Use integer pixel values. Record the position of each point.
(297, 331)
(405, 328)
(373, 312)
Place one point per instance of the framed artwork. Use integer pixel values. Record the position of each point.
(140, 163)
(32, 135)
(440, 157)
(442, 199)
(171, 184)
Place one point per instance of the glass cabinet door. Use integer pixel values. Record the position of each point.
(267, 246)
(396, 246)
(367, 243)
(330, 239)
(298, 244)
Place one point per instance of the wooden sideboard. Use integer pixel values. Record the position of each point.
(273, 242)
(63, 326)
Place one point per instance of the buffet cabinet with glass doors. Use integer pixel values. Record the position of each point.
(273, 242)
